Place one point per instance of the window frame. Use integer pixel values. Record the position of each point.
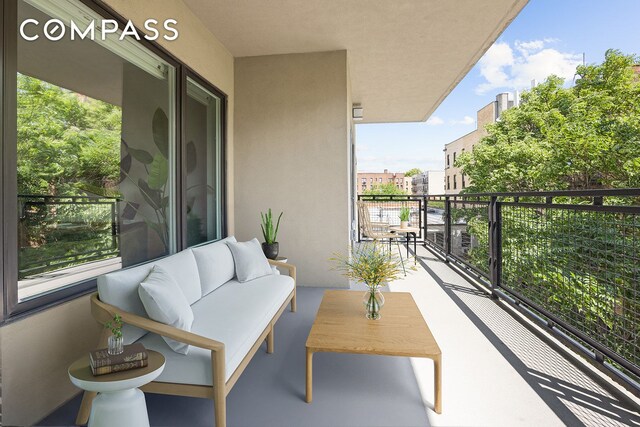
(10, 308)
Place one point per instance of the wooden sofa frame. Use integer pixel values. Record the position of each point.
(219, 389)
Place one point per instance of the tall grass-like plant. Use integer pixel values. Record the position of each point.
(269, 233)
(405, 213)
(373, 266)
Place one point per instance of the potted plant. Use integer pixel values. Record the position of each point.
(405, 213)
(270, 234)
(115, 341)
(373, 266)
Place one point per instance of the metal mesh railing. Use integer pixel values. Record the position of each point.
(386, 210)
(580, 265)
(56, 232)
(570, 257)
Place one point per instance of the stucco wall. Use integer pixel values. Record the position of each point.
(37, 350)
(292, 155)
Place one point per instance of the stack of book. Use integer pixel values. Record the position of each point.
(134, 356)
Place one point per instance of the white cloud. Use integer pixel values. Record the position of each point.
(466, 121)
(435, 121)
(503, 68)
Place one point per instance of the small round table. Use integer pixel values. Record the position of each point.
(414, 231)
(119, 402)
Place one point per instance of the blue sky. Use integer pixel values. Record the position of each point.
(548, 36)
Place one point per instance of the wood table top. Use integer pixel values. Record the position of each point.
(81, 370)
(342, 327)
(399, 229)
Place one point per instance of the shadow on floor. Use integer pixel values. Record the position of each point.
(348, 390)
(577, 402)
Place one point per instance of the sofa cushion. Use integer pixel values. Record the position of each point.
(164, 302)
(120, 289)
(215, 264)
(183, 268)
(249, 260)
(235, 314)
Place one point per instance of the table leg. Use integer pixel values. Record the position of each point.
(407, 234)
(309, 375)
(437, 384)
(415, 251)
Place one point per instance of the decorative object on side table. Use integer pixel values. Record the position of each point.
(134, 356)
(405, 213)
(270, 234)
(115, 342)
(370, 264)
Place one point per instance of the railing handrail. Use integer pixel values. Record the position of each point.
(554, 193)
(51, 197)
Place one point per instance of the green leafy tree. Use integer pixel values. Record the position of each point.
(388, 188)
(412, 172)
(67, 143)
(585, 136)
(576, 263)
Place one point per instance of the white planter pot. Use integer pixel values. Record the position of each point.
(404, 224)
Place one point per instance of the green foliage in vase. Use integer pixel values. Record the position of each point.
(369, 263)
(269, 233)
(115, 326)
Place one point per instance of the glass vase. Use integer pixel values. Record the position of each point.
(115, 345)
(373, 302)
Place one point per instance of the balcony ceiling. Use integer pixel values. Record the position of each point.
(405, 56)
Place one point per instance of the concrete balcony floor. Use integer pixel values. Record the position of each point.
(496, 372)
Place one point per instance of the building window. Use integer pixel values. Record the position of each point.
(380, 180)
(454, 158)
(95, 158)
(463, 183)
(448, 183)
(448, 163)
(455, 182)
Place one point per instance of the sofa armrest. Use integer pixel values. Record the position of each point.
(290, 267)
(104, 312)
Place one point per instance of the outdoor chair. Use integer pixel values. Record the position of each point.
(377, 231)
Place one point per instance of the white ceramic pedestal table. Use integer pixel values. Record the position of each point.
(119, 401)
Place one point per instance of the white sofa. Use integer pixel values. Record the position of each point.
(231, 320)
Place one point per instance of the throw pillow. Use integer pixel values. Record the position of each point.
(164, 302)
(249, 260)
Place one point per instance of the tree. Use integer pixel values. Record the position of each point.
(581, 137)
(67, 143)
(412, 172)
(388, 188)
(585, 136)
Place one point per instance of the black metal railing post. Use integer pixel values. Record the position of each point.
(447, 225)
(425, 206)
(495, 244)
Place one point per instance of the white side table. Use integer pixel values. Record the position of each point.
(279, 259)
(119, 401)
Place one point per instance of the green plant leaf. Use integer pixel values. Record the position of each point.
(158, 172)
(140, 155)
(160, 127)
(152, 197)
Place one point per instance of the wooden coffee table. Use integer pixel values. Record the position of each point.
(341, 327)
